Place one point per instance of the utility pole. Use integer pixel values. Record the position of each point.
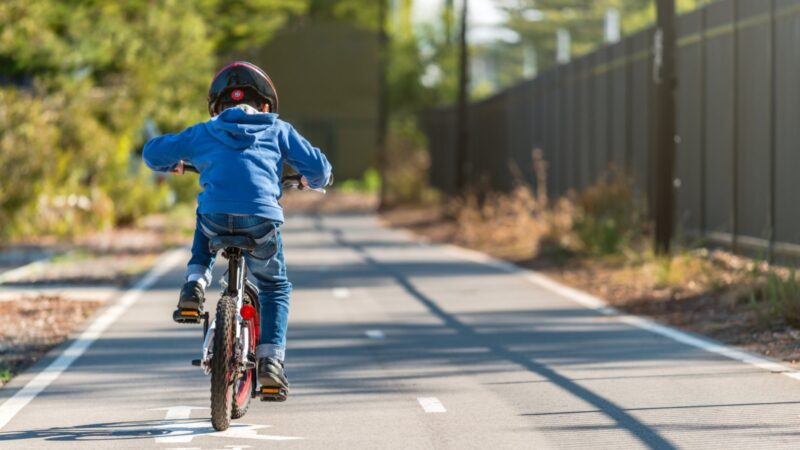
(665, 80)
(462, 132)
(448, 22)
(383, 103)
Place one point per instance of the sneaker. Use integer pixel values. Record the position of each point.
(272, 375)
(191, 300)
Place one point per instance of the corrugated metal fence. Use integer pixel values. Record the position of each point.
(738, 161)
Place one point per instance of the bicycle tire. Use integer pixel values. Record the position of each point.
(242, 389)
(221, 365)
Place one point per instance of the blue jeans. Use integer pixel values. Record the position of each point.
(265, 264)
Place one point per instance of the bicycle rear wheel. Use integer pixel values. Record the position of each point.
(222, 369)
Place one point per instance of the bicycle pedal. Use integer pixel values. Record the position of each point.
(273, 394)
(196, 362)
(187, 316)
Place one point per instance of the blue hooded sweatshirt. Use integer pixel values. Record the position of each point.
(240, 155)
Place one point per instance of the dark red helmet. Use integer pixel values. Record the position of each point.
(239, 82)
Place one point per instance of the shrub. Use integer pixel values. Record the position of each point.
(608, 220)
(777, 298)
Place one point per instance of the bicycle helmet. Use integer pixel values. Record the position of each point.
(240, 82)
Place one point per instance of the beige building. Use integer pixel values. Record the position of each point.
(327, 79)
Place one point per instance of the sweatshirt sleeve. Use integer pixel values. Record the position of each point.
(307, 159)
(162, 153)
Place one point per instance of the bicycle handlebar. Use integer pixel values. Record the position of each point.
(293, 181)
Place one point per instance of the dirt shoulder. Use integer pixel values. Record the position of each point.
(46, 301)
(706, 292)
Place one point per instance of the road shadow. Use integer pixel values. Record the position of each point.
(106, 431)
(168, 431)
(498, 346)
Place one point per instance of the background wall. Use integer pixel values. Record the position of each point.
(328, 93)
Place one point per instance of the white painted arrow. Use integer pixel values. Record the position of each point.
(178, 412)
(180, 428)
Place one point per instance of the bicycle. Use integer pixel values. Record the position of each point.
(229, 340)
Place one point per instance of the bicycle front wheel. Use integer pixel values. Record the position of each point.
(222, 365)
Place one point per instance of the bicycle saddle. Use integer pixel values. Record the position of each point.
(223, 242)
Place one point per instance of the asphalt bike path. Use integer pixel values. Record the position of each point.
(398, 344)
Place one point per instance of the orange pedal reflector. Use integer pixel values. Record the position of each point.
(268, 390)
(190, 313)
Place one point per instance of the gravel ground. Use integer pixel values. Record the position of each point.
(34, 325)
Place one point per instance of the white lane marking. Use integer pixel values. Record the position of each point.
(591, 302)
(375, 334)
(341, 292)
(14, 405)
(184, 431)
(431, 405)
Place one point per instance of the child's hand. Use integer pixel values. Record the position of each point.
(178, 169)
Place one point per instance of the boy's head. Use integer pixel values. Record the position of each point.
(242, 83)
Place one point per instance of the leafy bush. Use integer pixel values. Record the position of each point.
(82, 77)
(607, 220)
(369, 183)
(407, 165)
(27, 128)
(777, 298)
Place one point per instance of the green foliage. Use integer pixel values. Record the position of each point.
(82, 76)
(778, 298)
(26, 129)
(584, 19)
(5, 375)
(608, 221)
(407, 174)
(369, 183)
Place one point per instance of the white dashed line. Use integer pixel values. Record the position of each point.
(341, 292)
(431, 405)
(375, 334)
(589, 301)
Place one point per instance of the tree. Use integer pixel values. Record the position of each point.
(538, 20)
(95, 71)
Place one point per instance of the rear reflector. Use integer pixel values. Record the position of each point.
(247, 312)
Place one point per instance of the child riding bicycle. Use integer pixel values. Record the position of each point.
(240, 154)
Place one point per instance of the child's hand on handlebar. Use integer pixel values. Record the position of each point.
(179, 168)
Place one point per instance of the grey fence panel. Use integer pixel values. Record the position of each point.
(522, 128)
(753, 120)
(598, 80)
(553, 144)
(689, 158)
(719, 99)
(570, 131)
(585, 149)
(787, 125)
(440, 145)
(640, 111)
(619, 109)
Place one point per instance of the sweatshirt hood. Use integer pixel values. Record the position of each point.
(240, 126)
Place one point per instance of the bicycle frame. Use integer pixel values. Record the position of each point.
(234, 288)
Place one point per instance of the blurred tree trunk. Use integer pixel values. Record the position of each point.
(383, 103)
